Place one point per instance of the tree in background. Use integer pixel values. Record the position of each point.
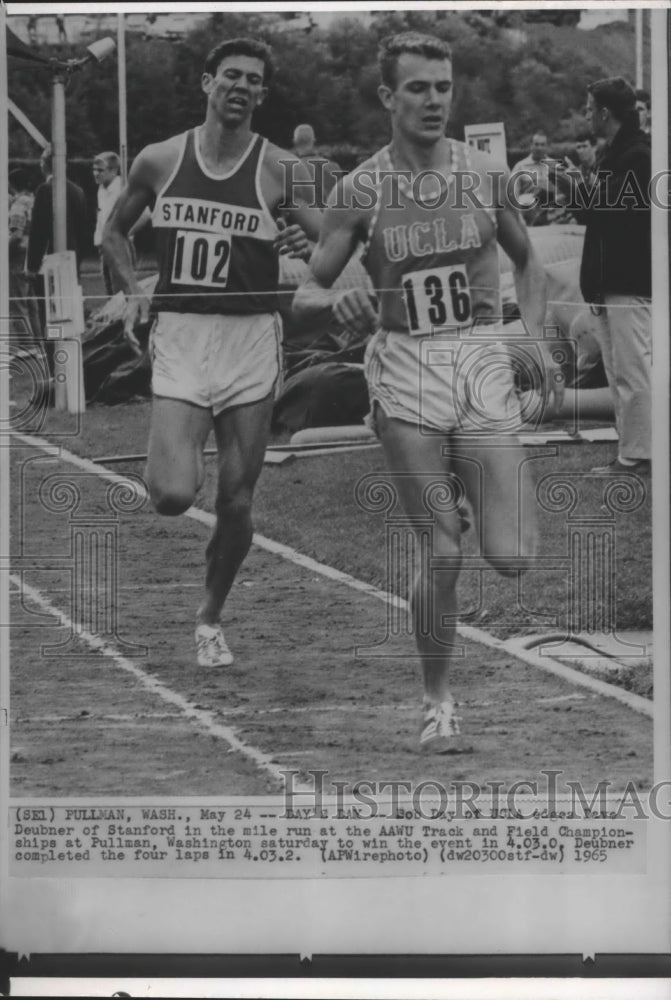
(526, 75)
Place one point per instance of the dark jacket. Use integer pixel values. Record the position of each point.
(40, 241)
(617, 252)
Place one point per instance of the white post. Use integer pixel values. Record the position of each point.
(639, 48)
(59, 203)
(58, 161)
(4, 228)
(4, 446)
(121, 63)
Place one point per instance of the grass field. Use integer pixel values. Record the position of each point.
(310, 504)
(298, 690)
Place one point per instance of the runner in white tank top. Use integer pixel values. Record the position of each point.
(442, 394)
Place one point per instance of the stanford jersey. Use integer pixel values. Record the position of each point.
(214, 237)
(433, 261)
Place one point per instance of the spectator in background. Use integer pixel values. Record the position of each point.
(41, 239)
(537, 153)
(325, 172)
(585, 149)
(106, 173)
(32, 30)
(616, 267)
(62, 33)
(586, 154)
(643, 109)
(534, 189)
(20, 194)
(24, 318)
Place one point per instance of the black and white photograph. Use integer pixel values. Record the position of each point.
(334, 367)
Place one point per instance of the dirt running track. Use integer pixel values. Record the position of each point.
(138, 718)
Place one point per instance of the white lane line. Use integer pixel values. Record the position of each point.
(202, 717)
(95, 717)
(533, 659)
(229, 712)
(142, 588)
(204, 517)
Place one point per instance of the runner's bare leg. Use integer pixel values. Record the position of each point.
(499, 483)
(177, 437)
(242, 436)
(416, 459)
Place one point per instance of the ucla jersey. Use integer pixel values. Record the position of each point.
(433, 261)
(214, 237)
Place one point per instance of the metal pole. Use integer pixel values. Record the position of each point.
(31, 129)
(4, 445)
(121, 63)
(4, 258)
(639, 48)
(59, 203)
(59, 161)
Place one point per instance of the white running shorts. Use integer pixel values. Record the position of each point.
(443, 383)
(217, 362)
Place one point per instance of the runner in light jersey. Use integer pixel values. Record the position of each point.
(440, 381)
(216, 192)
(418, 229)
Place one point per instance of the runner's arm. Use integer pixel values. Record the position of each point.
(530, 285)
(129, 207)
(300, 194)
(340, 233)
(135, 199)
(528, 272)
(300, 218)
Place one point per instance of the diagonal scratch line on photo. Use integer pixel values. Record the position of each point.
(202, 717)
(534, 659)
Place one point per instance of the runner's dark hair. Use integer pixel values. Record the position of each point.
(240, 47)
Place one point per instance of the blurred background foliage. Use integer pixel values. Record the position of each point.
(508, 66)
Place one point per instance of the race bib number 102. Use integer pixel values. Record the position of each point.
(201, 259)
(438, 297)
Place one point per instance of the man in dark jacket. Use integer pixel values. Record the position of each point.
(616, 268)
(41, 239)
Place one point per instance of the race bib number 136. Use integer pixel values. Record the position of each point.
(201, 259)
(438, 297)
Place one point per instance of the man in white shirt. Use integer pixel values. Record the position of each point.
(533, 188)
(106, 171)
(534, 161)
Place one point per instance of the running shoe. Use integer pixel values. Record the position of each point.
(212, 647)
(440, 730)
